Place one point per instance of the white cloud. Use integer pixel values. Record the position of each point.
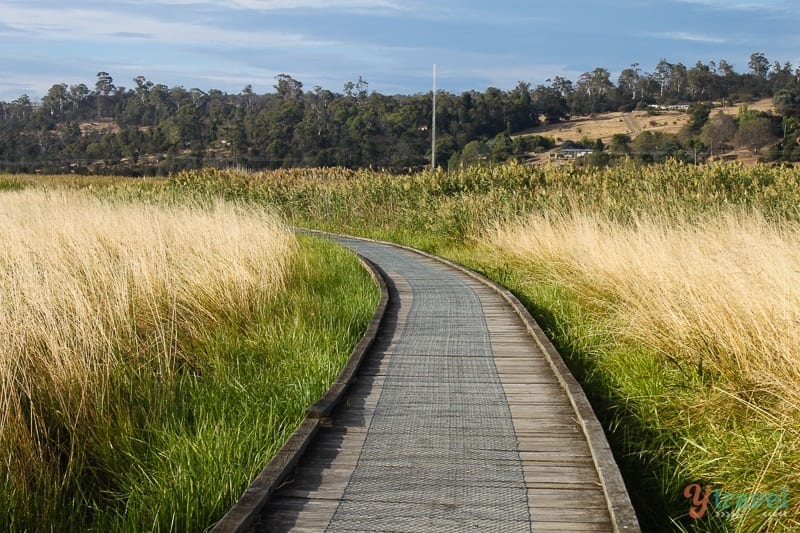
(102, 25)
(272, 5)
(725, 4)
(693, 37)
(34, 85)
(317, 4)
(781, 6)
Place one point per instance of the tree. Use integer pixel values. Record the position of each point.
(248, 95)
(725, 69)
(628, 82)
(680, 80)
(564, 86)
(358, 89)
(142, 87)
(652, 146)
(755, 134)
(718, 131)
(591, 92)
(104, 86)
(521, 109)
(700, 80)
(620, 144)
(663, 75)
(787, 102)
(445, 148)
(132, 112)
(473, 151)
(22, 107)
(500, 147)
(759, 65)
(160, 104)
(489, 113)
(79, 96)
(782, 77)
(56, 100)
(552, 103)
(188, 126)
(698, 115)
(288, 88)
(755, 131)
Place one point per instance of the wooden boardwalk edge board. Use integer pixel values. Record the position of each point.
(623, 516)
(245, 511)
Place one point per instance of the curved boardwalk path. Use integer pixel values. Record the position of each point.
(456, 421)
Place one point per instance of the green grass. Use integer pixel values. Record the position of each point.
(176, 454)
(616, 378)
(235, 415)
(669, 424)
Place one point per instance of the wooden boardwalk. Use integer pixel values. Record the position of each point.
(457, 420)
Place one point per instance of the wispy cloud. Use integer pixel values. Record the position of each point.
(229, 43)
(132, 35)
(291, 5)
(318, 4)
(693, 37)
(100, 25)
(5, 29)
(782, 6)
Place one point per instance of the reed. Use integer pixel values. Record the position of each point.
(692, 329)
(152, 359)
(670, 289)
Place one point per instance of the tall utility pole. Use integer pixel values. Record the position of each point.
(433, 129)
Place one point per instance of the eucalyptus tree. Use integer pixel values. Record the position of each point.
(700, 80)
(56, 101)
(103, 88)
(552, 102)
(759, 65)
(592, 92)
(628, 82)
(79, 98)
(663, 76)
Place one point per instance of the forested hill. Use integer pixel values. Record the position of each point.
(151, 128)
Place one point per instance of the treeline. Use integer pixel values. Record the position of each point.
(152, 128)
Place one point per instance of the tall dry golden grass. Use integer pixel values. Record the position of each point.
(726, 287)
(686, 308)
(88, 288)
(716, 299)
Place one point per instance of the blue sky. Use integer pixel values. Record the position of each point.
(227, 44)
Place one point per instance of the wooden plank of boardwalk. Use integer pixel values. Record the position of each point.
(456, 421)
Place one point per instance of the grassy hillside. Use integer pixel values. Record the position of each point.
(604, 126)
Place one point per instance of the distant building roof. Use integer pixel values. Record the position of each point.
(575, 152)
(673, 107)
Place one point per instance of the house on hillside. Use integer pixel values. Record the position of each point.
(674, 107)
(572, 150)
